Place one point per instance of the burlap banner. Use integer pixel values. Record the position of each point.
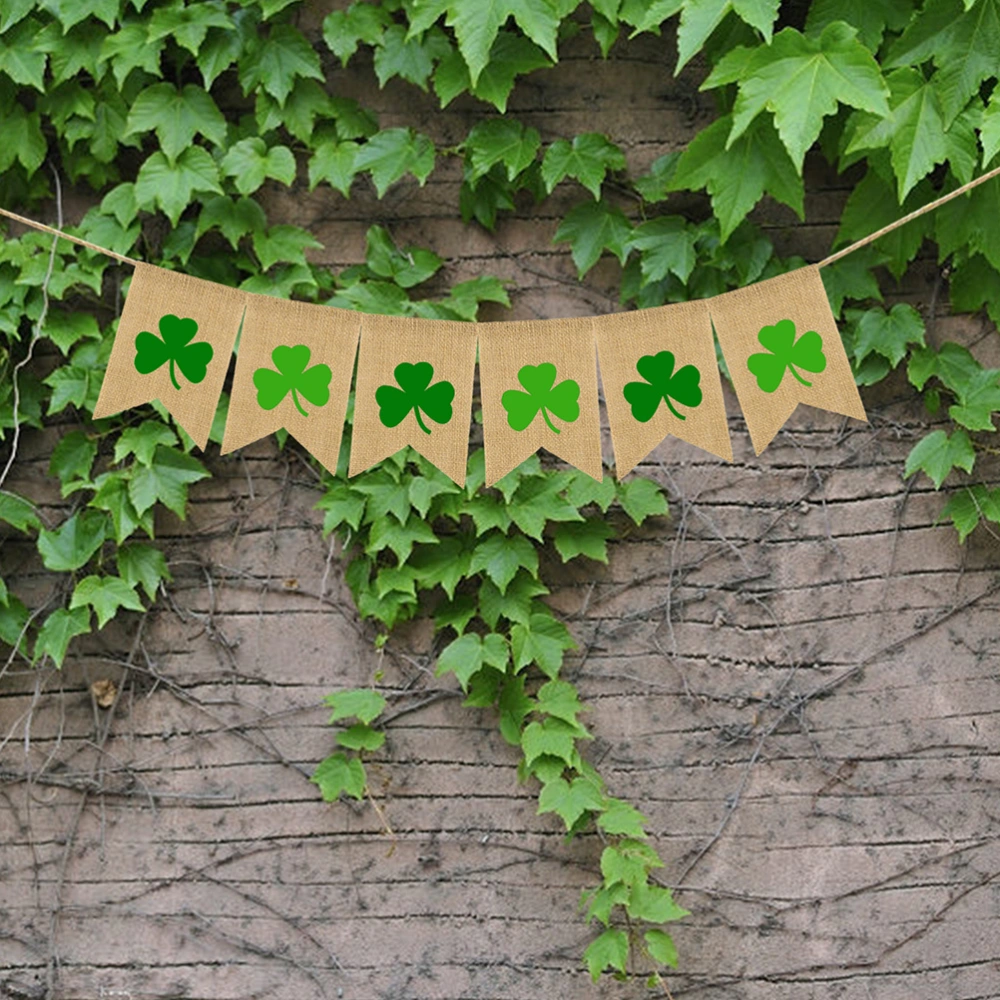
(782, 347)
(538, 381)
(414, 388)
(660, 378)
(293, 370)
(174, 341)
(538, 378)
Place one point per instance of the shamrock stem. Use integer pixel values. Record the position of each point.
(295, 400)
(173, 377)
(670, 407)
(798, 376)
(545, 415)
(420, 423)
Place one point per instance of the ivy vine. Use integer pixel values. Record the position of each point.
(174, 114)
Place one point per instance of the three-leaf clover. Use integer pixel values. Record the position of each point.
(785, 352)
(543, 394)
(175, 347)
(293, 376)
(662, 383)
(415, 393)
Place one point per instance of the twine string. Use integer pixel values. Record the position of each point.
(66, 236)
(910, 216)
(832, 258)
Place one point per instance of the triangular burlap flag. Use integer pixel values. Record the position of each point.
(782, 348)
(414, 388)
(293, 370)
(174, 341)
(660, 377)
(539, 389)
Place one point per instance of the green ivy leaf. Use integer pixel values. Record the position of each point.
(871, 19)
(588, 539)
(622, 819)
(516, 604)
(539, 501)
(938, 453)
(652, 903)
(968, 506)
(511, 56)
(250, 162)
(978, 400)
(661, 947)
(58, 629)
(334, 162)
(587, 159)
(105, 594)
(188, 25)
(469, 653)
(142, 565)
(542, 641)
(569, 800)
(20, 59)
(130, 48)
(364, 704)
(888, 333)
(641, 498)
(143, 440)
(501, 557)
(412, 58)
(737, 172)
(477, 22)
(504, 141)
(165, 480)
(591, 228)
(390, 154)
(550, 738)
(560, 700)
(361, 737)
(338, 773)
(23, 138)
(344, 30)
(610, 950)
(72, 459)
(19, 513)
(388, 533)
(802, 80)
(283, 243)
(913, 130)
(176, 115)
(699, 18)
(170, 187)
(274, 63)
(73, 543)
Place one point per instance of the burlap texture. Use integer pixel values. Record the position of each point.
(153, 294)
(740, 316)
(505, 349)
(387, 342)
(331, 336)
(684, 330)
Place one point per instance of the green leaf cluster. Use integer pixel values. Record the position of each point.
(472, 558)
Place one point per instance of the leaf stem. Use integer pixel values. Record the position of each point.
(420, 423)
(173, 377)
(295, 400)
(791, 368)
(545, 415)
(670, 407)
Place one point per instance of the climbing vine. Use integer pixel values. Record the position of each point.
(173, 115)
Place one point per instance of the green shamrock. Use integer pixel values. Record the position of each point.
(543, 394)
(661, 383)
(293, 375)
(415, 393)
(785, 352)
(151, 352)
